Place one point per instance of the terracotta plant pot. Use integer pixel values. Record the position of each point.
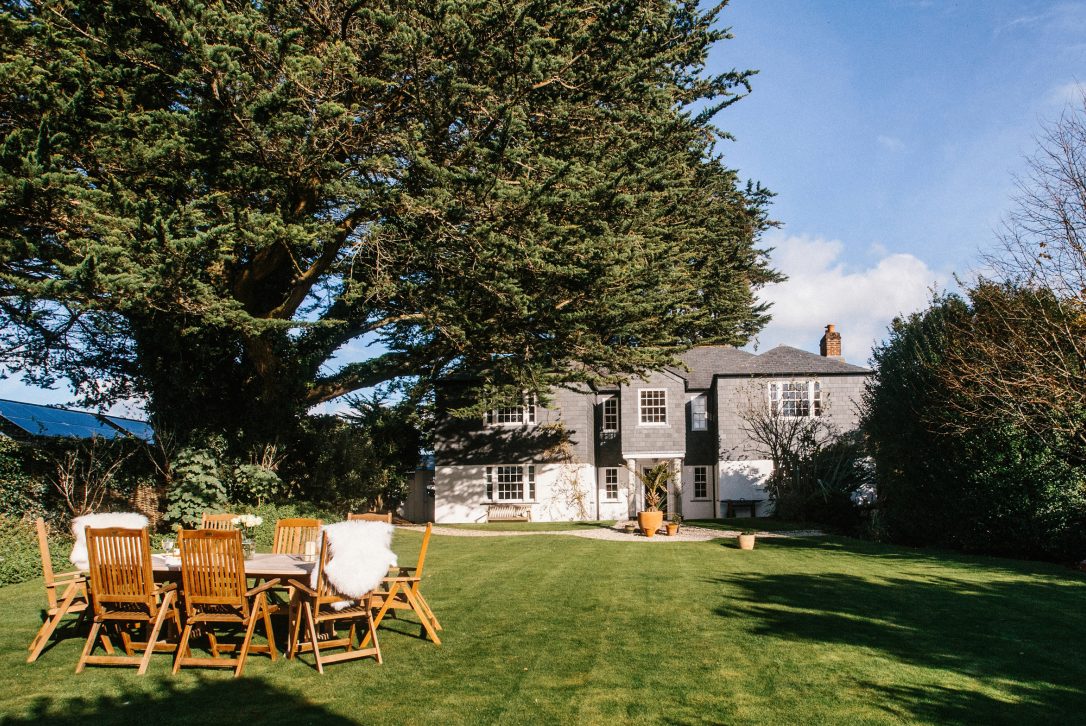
(672, 529)
(650, 522)
(746, 541)
(631, 528)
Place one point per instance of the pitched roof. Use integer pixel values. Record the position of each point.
(708, 361)
(786, 360)
(705, 361)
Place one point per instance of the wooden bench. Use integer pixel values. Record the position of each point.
(734, 506)
(509, 513)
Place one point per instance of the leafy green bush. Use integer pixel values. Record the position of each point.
(21, 492)
(19, 556)
(198, 485)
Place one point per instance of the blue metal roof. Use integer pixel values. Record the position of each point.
(37, 420)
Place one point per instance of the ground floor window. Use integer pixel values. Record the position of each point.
(610, 484)
(510, 483)
(701, 482)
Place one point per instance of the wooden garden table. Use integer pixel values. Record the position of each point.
(263, 566)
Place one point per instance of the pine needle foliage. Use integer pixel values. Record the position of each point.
(203, 202)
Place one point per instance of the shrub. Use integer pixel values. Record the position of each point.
(21, 492)
(198, 486)
(19, 556)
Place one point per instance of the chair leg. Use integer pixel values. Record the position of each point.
(313, 637)
(268, 627)
(384, 609)
(426, 607)
(89, 646)
(244, 650)
(50, 624)
(426, 624)
(163, 610)
(373, 635)
(182, 647)
(295, 625)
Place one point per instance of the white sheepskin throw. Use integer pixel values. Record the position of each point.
(128, 520)
(359, 555)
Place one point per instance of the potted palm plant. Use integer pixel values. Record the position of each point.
(655, 482)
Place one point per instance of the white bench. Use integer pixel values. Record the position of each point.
(509, 513)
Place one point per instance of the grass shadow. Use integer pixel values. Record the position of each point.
(227, 702)
(986, 625)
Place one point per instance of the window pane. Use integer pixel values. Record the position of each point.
(699, 415)
(701, 482)
(510, 482)
(610, 414)
(653, 407)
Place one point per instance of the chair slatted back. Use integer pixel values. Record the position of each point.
(326, 594)
(422, 549)
(291, 535)
(370, 517)
(217, 521)
(212, 570)
(120, 568)
(46, 563)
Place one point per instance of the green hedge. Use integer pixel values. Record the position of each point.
(19, 556)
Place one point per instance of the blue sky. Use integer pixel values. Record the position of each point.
(891, 131)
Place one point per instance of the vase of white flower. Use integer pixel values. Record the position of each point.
(247, 523)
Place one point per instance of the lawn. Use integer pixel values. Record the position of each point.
(572, 630)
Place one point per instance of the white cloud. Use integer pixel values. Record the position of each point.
(890, 143)
(1069, 93)
(823, 289)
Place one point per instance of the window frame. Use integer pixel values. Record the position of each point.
(641, 407)
(611, 402)
(492, 484)
(704, 471)
(525, 414)
(609, 473)
(704, 418)
(811, 405)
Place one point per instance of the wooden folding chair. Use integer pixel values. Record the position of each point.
(315, 605)
(217, 521)
(72, 599)
(122, 590)
(213, 580)
(291, 535)
(402, 593)
(370, 517)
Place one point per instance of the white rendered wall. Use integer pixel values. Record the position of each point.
(564, 492)
(697, 508)
(745, 480)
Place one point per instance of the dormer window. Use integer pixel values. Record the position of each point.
(795, 399)
(513, 415)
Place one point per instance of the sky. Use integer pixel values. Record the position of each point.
(891, 132)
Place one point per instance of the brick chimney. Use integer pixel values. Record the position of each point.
(830, 345)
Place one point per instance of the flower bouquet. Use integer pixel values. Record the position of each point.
(247, 523)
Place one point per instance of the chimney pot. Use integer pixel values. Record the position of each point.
(830, 345)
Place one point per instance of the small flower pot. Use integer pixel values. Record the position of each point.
(630, 528)
(672, 529)
(746, 541)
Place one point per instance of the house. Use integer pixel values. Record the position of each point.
(574, 458)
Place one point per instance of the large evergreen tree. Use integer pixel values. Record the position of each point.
(204, 202)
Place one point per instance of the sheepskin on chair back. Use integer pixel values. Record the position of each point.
(359, 555)
(128, 520)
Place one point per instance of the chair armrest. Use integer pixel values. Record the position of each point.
(165, 588)
(261, 588)
(302, 586)
(401, 579)
(74, 575)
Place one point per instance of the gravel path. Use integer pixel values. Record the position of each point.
(687, 533)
